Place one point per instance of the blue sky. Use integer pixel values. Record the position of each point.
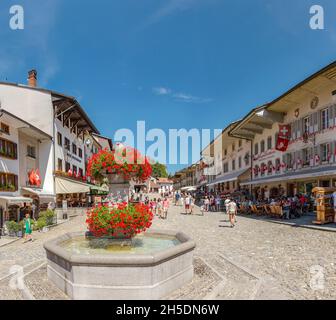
(173, 63)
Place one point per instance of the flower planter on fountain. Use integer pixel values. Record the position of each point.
(119, 258)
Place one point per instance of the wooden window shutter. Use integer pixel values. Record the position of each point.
(311, 124)
(331, 116)
(315, 121)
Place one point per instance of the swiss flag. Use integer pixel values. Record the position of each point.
(284, 131)
(282, 144)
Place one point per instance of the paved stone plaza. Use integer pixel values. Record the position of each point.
(256, 260)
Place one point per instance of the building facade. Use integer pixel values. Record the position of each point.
(308, 113)
(43, 151)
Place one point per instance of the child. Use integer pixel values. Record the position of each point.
(153, 206)
(28, 228)
(202, 209)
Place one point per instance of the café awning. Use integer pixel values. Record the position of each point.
(15, 200)
(295, 175)
(67, 186)
(228, 177)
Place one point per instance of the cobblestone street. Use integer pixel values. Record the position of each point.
(255, 260)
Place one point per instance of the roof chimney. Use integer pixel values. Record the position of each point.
(32, 78)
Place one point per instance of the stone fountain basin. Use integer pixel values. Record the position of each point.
(118, 276)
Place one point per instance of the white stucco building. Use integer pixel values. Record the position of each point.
(309, 109)
(231, 162)
(44, 132)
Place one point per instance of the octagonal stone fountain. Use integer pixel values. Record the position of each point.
(154, 265)
(116, 264)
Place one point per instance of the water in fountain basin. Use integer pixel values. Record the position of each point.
(141, 244)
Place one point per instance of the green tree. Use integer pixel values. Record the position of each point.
(159, 170)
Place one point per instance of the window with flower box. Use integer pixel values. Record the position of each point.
(263, 169)
(306, 156)
(325, 152)
(256, 171)
(269, 167)
(8, 182)
(8, 149)
(306, 125)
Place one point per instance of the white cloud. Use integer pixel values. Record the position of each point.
(183, 97)
(161, 91)
(180, 97)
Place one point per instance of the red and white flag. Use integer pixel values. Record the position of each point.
(282, 144)
(284, 131)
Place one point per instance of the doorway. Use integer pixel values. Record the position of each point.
(290, 189)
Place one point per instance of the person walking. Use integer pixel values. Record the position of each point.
(232, 206)
(153, 205)
(177, 198)
(192, 204)
(165, 208)
(206, 204)
(159, 208)
(218, 203)
(28, 228)
(187, 204)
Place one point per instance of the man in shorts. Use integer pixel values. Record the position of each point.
(232, 208)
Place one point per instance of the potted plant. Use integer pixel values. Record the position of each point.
(13, 228)
(41, 223)
(49, 216)
(21, 231)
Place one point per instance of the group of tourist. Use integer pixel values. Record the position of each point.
(158, 206)
(185, 200)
